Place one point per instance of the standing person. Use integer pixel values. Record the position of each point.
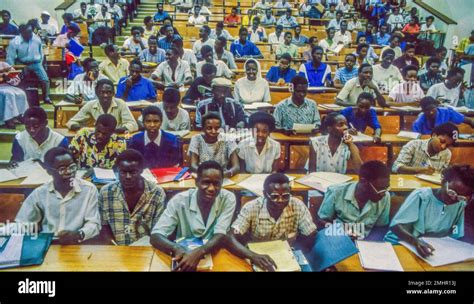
(13, 101)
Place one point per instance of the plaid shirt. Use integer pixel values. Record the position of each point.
(129, 227)
(415, 154)
(254, 218)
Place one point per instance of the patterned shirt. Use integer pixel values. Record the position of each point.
(344, 75)
(255, 219)
(219, 151)
(325, 161)
(415, 154)
(127, 226)
(287, 113)
(83, 146)
(427, 80)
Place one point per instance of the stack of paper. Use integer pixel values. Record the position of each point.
(303, 128)
(331, 106)
(139, 103)
(255, 183)
(409, 135)
(103, 176)
(10, 255)
(35, 174)
(361, 137)
(378, 256)
(446, 251)
(258, 105)
(280, 252)
(435, 178)
(322, 180)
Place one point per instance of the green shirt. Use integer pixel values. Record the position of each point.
(290, 49)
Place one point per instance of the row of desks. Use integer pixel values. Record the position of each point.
(144, 259)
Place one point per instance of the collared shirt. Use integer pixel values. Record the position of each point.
(287, 21)
(157, 140)
(424, 214)
(165, 44)
(258, 35)
(133, 46)
(415, 154)
(275, 74)
(268, 20)
(198, 44)
(199, 20)
(25, 147)
(427, 80)
(301, 41)
(113, 72)
(386, 79)
(227, 58)
(165, 73)
(25, 51)
(424, 126)
(85, 88)
(8, 29)
(182, 215)
(341, 205)
(219, 151)
(248, 49)
(361, 123)
(406, 92)
(54, 213)
(222, 69)
(287, 113)
(141, 90)
(290, 49)
(382, 40)
(255, 219)
(158, 57)
(335, 24)
(256, 162)
(401, 62)
(316, 77)
(325, 160)
(397, 50)
(344, 75)
(328, 45)
(345, 38)
(224, 34)
(273, 39)
(129, 226)
(84, 148)
(160, 16)
(351, 91)
(93, 109)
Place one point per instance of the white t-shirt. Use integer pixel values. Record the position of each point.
(406, 92)
(439, 90)
(386, 79)
(199, 44)
(134, 47)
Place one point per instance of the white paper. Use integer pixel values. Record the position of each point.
(104, 173)
(408, 134)
(11, 255)
(378, 256)
(147, 175)
(331, 106)
(447, 251)
(139, 103)
(227, 182)
(254, 183)
(322, 180)
(6, 175)
(435, 178)
(257, 105)
(408, 108)
(26, 167)
(36, 175)
(188, 107)
(144, 241)
(303, 128)
(64, 103)
(361, 137)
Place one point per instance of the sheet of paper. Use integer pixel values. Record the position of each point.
(36, 176)
(227, 182)
(447, 251)
(254, 183)
(408, 134)
(104, 173)
(331, 107)
(322, 180)
(303, 128)
(188, 107)
(6, 175)
(26, 167)
(257, 105)
(435, 178)
(144, 241)
(64, 103)
(361, 137)
(280, 252)
(408, 108)
(139, 103)
(146, 174)
(11, 254)
(378, 256)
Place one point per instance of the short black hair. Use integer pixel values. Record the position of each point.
(329, 29)
(147, 19)
(6, 12)
(362, 66)
(428, 102)
(447, 129)
(441, 49)
(329, 121)
(178, 42)
(137, 62)
(286, 56)
(361, 46)
(394, 36)
(136, 28)
(454, 71)
(275, 178)
(288, 33)
(209, 164)
(152, 37)
(171, 96)
(366, 95)
(339, 12)
(152, 110)
(351, 55)
(316, 48)
(430, 18)
(432, 60)
(298, 79)
(206, 28)
(87, 62)
(52, 153)
(206, 49)
(223, 40)
(107, 120)
(388, 52)
(131, 155)
(109, 48)
(36, 112)
(103, 82)
(243, 29)
(68, 16)
(208, 69)
(209, 116)
(220, 24)
(409, 46)
(462, 173)
(409, 68)
(373, 170)
(264, 118)
(312, 39)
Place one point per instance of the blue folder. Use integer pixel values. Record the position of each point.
(33, 250)
(75, 48)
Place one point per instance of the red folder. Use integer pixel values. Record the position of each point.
(166, 175)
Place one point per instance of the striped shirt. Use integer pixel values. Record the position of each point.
(344, 75)
(415, 154)
(287, 113)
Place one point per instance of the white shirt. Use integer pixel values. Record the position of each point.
(224, 34)
(326, 47)
(50, 29)
(199, 44)
(134, 47)
(399, 92)
(440, 90)
(386, 79)
(179, 123)
(30, 147)
(255, 162)
(273, 39)
(164, 72)
(101, 20)
(396, 21)
(425, 28)
(222, 69)
(86, 88)
(199, 20)
(189, 57)
(157, 139)
(335, 24)
(345, 38)
(247, 92)
(78, 210)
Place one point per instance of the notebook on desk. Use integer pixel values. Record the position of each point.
(322, 180)
(205, 263)
(25, 250)
(280, 252)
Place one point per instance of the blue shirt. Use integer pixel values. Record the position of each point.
(9, 29)
(316, 78)
(369, 37)
(383, 40)
(344, 75)
(275, 73)
(160, 16)
(361, 123)
(64, 28)
(443, 115)
(164, 44)
(166, 154)
(141, 90)
(248, 49)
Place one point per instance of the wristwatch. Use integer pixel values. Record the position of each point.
(82, 235)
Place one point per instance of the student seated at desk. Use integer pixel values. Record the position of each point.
(207, 54)
(204, 33)
(65, 206)
(409, 92)
(408, 58)
(449, 91)
(329, 44)
(386, 75)
(173, 72)
(363, 115)
(394, 45)
(204, 212)
(252, 88)
(434, 212)
(348, 72)
(231, 112)
(330, 153)
(287, 20)
(130, 207)
(268, 19)
(233, 18)
(136, 43)
(287, 47)
(105, 104)
(276, 216)
(159, 148)
(100, 147)
(277, 37)
(149, 29)
(219, 31)
(175, 118)
(210, 146)
(201, 88)
(316, 72)
(114, 67)
(365, 202)
(153, 53)
(36, 139)
(135, 87)
(256, 32)
(283, 73)
(297, 108)
(160, 14)
(196, 18)
(221, 53)
(433, 74)
(185, 54)
(243, 48)
(434, 115)
(298, 39)
(260, 154)
(83, 86)
(354, 87)
(427, 156)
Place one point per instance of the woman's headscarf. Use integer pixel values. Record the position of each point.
(259, 69)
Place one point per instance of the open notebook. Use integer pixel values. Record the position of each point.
(435, 178)
(280, 252)
(254, 183)
(322, 180)
(378, 256)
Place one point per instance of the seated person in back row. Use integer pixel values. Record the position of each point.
(260, 153)
(243, 48)
(449, 91)
(130, 207)
(427, 156)
(106, 104)
(366, 202)
(297, 108)
(135, 87)
(434, 212)
(276, 216)
(207, 54)
(175, 118)
(159, 148)
(98, 148)
(409, 92)
(283, 73)
(82, 87)
(434, 115)
(201, 89)
(204, 212)
(316, 72)
(79, 219)
(36, 139)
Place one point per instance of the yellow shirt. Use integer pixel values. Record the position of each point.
(113, 72)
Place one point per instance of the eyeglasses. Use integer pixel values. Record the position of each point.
(383, 191)
(453, 194)
(275, 196)
(69, 169)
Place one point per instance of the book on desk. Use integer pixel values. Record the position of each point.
(24, 250)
